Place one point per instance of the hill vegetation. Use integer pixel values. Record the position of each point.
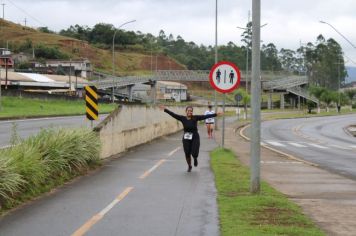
(45, 44)
(138, 53)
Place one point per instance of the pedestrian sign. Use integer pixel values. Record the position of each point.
(225, 77)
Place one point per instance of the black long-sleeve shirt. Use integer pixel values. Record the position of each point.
(189, 125)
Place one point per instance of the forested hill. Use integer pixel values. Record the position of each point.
(137, 52)
(49, 45)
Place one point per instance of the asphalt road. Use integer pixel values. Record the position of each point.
(27, 127)
(147, 191)
(321, 140)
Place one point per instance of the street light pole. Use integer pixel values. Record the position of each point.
(113, 56)
(256, 99)
(323, 22)
(247, 47)
(216, 56)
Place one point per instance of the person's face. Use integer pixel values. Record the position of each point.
(189, 112)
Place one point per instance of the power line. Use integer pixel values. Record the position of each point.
(26, 13)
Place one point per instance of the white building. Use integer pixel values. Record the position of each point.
(164, 91)
(81, 68)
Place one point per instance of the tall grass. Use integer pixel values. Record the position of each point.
(41, 162)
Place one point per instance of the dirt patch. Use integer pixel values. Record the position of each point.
(159, 62)
(274, 216)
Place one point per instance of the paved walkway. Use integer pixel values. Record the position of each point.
(329, 199)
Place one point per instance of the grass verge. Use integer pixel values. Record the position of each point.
(26, 107)
(242, 213)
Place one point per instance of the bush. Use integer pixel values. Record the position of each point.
(43, 161)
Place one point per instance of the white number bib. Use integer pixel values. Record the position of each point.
(188, 136)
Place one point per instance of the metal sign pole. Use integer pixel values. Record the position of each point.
(0, 91)
(238, 111)
(223, 123)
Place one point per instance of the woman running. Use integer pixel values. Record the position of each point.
(210, 121)
(191, 140)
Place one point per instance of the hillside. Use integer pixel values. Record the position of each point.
(126, 62)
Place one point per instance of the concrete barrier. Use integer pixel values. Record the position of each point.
(129, 126)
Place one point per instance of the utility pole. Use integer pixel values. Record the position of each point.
(216, 54)
(256, 99)
(70, 72)
(3, 10)
(339, 80)
(0, 90)
(25, 22)
(247, 46)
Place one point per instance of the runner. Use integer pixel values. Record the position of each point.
(210, 121)
(191, 140)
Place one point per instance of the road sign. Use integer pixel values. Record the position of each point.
(238, 97)
(225, 77)
(91, 102)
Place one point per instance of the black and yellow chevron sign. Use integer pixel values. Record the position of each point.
(91, 102)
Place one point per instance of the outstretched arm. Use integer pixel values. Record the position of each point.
(203, 117)
(174, 115)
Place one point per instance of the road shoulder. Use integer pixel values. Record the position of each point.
(329, 199)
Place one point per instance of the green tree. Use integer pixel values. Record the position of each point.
(325, 63)
(351, 94)
(288, 59)
(269, 58)
(328, 97)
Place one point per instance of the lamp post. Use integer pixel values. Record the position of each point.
(323, 22)
(113, 55)
(216, 54)
(247, 46)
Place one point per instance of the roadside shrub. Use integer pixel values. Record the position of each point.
(10, 181)
(41, 162)
(27, 161)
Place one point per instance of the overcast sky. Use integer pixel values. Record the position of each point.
(289, 22)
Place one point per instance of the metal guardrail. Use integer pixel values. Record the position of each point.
(118, 82)
(108, 81)
(182, 75)
(302, 93)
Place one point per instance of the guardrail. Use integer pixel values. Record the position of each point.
(302, 93)
(285, 83)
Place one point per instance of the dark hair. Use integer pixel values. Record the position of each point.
(210, 106)
(188, 107)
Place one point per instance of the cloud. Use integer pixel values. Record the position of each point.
(289, 22)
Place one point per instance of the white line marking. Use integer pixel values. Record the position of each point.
(92, 221)
(174, 151)
(297, 144)
(144, 175)
(277, 144)
(317, 146)
(340, 147)
(353, 146)
(281, 162)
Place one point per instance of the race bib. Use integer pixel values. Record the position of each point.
(188, 136)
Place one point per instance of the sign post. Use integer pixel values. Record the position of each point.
(224, 77)
(91, 103)
(238, 98)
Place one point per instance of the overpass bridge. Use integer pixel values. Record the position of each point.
(290, 87)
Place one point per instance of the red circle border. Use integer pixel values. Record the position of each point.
(211, 80)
